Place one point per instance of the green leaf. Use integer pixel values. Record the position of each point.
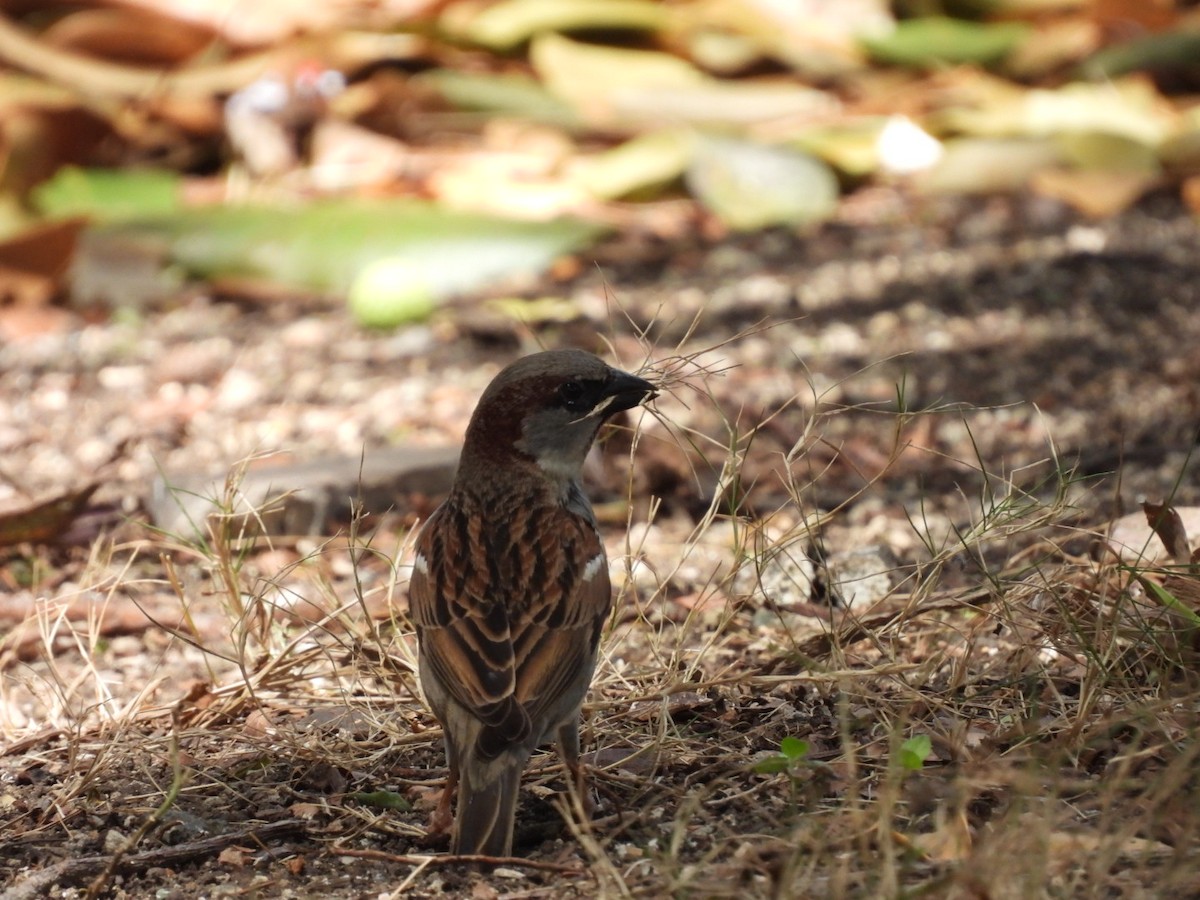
(387, 293)
(772, 765)
(1166, 598)
(381, 799)
(324, 246)
(108, 194)
(793, 748)
(938, 40)
(915, 751)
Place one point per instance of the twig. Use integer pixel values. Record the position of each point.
(423, 860)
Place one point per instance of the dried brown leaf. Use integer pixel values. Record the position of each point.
(1168, 525)
(44, 520)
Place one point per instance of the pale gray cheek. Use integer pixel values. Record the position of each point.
(557, 440)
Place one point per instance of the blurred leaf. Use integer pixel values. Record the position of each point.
(586, 75)
(33, 268)
(1097, 193)
(1157, 52)
(390, 292)
(1097, 150)
(1190, 191)
(617, 87)
(1154, 17)
(44, 520)
(1180, 153)
(986, 165)
(143, 36)
(13, 218)
(638, 165)
(517, 95)
(1022, 7)
(814, 37)
(1131, 108)
(732, 103)
(937, 40)
(325, 245)
(721, 52)
(537, 311)
(851, 147)
(1053, 45)
(24, 91)
(38, 138)
(752, 186)
(45, 249)
(915, 751)
(504, 25)
(108, 193)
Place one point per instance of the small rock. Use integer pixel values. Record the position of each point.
(784, 576)
(863, 576)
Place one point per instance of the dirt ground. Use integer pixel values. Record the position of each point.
(869, 508)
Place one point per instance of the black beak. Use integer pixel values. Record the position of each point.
(626, 391)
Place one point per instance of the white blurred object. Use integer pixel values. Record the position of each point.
(269, 121)
(904, 147)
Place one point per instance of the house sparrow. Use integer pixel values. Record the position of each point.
(510, 586)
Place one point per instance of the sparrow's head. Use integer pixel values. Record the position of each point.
(547, 408)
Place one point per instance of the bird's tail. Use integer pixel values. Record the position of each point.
(487, 806)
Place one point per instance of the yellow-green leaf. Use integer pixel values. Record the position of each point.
(504, 25)
(637, 166)
(587, 75)
(938, 40)
(108, 194)
(324, 246)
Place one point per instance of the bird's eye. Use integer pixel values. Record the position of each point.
(572, 395)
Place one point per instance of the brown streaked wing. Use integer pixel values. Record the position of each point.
(463, 631)
(556, 633)
(506, 613)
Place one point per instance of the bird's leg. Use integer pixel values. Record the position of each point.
(568, 748)
(443, 816)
